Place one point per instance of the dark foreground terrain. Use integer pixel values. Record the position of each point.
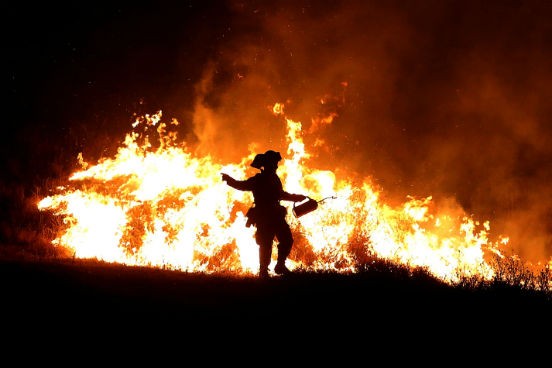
(78, 295)
(66, 291)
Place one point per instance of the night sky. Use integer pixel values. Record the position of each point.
(443, 98)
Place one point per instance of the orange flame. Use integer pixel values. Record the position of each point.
(165, 207)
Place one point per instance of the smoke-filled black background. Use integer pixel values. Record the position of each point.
(443, 98)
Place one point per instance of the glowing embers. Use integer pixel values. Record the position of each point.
(162, 206)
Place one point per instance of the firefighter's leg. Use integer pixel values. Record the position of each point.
(264, 237)
(285, 242)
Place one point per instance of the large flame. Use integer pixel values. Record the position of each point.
(165, 207)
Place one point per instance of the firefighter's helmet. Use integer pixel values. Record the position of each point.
(262, 159)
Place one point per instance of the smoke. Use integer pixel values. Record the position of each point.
(305, 57)
(449, 99)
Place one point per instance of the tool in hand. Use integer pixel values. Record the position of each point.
(308, 206)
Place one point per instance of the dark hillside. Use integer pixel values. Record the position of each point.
(75, 294)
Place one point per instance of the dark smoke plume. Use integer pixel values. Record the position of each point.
(450, 99)
(442, 98)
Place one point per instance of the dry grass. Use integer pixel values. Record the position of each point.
(26, 234)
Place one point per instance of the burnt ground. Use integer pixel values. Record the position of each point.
(79, 296)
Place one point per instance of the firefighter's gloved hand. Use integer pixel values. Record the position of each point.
(300, 198)
(226, 177)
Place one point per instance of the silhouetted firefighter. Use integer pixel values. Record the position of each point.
(267, 214)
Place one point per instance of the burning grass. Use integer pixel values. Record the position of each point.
(511, 273)
(159, 204)
(156, 203)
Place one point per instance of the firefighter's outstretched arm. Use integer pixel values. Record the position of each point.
(238, 184)
(293, 197)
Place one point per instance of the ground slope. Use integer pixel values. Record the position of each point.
(73, 294)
